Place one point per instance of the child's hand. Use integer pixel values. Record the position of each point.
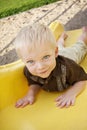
(29, 98)
(25, 101)
(68, 98)
(65, 100)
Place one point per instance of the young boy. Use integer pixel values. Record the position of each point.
(47, 67)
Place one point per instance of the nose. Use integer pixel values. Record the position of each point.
(40, 65)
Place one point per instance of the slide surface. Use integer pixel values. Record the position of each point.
(43, 114)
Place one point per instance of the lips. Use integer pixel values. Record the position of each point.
(43, 72)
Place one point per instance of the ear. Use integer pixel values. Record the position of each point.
(56, 51)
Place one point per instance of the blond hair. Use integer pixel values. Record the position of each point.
(34, 35)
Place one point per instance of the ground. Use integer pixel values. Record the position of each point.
(73, 14)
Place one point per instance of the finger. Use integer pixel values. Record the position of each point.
(25, 103)
(59, 98)
(73, 102)
(62, 104)
(28, 101)
(59, 103)
(68, 103)
(31, 102)
(19, 103)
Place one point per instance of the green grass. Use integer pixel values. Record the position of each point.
(10, 7)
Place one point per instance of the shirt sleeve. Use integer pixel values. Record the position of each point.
(28, 76)
(75, 73)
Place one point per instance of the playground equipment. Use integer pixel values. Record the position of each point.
(43, 114)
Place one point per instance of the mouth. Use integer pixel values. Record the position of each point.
(43, 72)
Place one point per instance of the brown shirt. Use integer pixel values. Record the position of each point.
(65, 74)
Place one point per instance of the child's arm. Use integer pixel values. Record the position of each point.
(29, 98)
(69, 97)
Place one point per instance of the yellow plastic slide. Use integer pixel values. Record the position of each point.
(43, 114)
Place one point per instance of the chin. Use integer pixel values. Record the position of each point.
(44, 75)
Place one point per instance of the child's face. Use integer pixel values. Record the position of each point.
(41, 60)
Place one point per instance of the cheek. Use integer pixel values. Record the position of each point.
(31, 69)
(52, 61)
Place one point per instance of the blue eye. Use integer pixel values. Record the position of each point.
(30, 62)
(46, 57)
